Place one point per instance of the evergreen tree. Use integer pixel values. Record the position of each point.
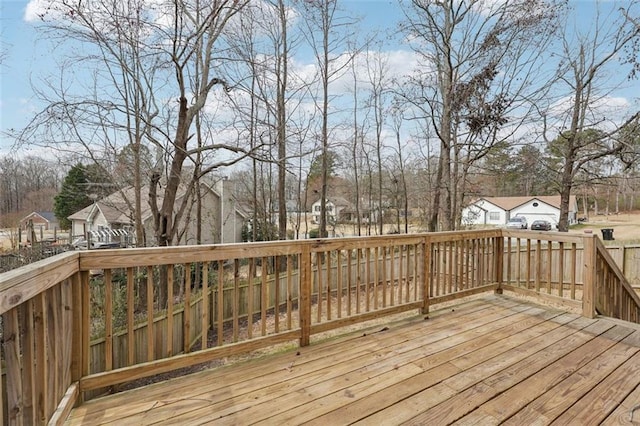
(72, 196)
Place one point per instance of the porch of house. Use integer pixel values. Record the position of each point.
(489, 360)
(79, 325)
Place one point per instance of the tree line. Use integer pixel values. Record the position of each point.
(493, 98)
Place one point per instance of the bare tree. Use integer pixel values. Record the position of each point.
(378, 81)
(27, 184)
(194, 31)
(481, 63)
(327, 31)
(265, 38)
(140, 59)
(583, 73)
(400, 179)
(358, 124)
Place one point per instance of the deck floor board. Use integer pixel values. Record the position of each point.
(491, 360)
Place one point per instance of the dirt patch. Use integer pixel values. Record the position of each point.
(626, 226)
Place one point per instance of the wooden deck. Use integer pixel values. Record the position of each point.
(491, 360)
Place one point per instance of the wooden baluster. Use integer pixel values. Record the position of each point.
(28, 361)
(40, 357)
(508, 278)
(290, 290)
(250, 296)
(276, 281)
(358, 280)
(408, 266)
(108, 320)
(367, 278)
(339, 281)
(220, 310)
(416, 279)
(236, 297)
(264, 296)
(304, 305)
(170, 302)
(426, 275)
(350, 281)
(376, 276)
(13, 359)
(401, 276)
(589, 277)
(528, 266)
(392, 274)
(384, 277)
(151, 334)
(204, 314)
(130, 318)
(328, 258)
(319, 294)
(561, 270)
(549, 265)
(186, 312)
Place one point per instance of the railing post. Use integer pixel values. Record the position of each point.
(81, 328)
(2, 411)
(14, 364)
(589, 277)
(76, 324)
(426, 274)
(305, 296)
(498, 254)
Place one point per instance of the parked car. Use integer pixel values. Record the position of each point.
(518, 222)
(541, 225)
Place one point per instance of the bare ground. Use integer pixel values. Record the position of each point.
(626, 226)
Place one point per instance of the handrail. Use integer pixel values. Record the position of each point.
(306, 287)
(22, 284)
(615, 297)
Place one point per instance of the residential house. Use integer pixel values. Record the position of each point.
(498, 210)
(111, 219)
(44, 221)
(350, 215)
(335, 207)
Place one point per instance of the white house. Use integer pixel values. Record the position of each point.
(112, 220)
(335, 206)
(498, 210)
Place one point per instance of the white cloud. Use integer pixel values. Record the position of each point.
(607, 108)
(395, 65)
(36, 9)
(101, 12)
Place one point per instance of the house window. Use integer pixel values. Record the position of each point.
(316, 208)
(535, 204)
(494, 216)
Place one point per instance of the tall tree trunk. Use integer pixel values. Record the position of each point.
(281, 122)
(325, 124)
(166, 229)
(437, 192)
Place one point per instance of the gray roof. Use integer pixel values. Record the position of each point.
(49, 216)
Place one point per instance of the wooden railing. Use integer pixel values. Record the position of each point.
(83, 323)
(40, 321)
(548, 265)
(613, 296)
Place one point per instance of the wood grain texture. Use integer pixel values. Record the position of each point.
(383, 275)
(22, 284)
(481, 362)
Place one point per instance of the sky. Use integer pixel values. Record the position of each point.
(26, 59)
